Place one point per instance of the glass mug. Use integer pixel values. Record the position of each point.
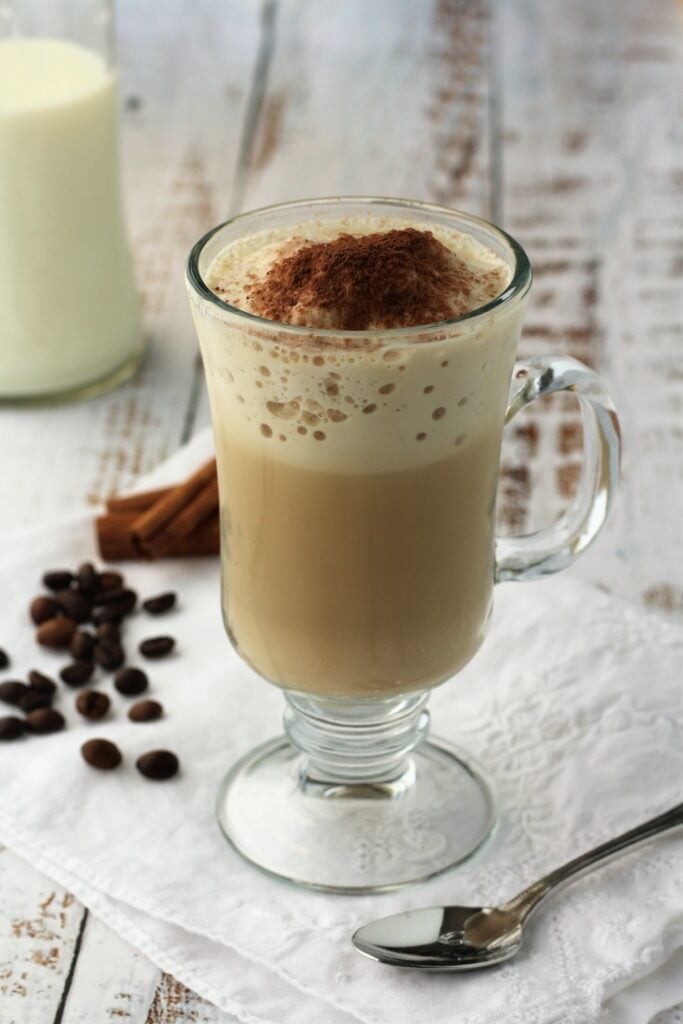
(357, 475)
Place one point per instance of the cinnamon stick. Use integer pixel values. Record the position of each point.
(201, 507)
(168, 522)
(116, 542)
(163, 510)
(137, 502)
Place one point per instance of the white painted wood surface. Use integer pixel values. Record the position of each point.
(560, 121)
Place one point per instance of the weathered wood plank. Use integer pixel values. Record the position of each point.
(173, 1003)
(111, 981)
(592, 187)
(39, 928)
(186, 68)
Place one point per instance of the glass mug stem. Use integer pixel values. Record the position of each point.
(351, 742)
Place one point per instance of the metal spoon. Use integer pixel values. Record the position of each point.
(466, 938)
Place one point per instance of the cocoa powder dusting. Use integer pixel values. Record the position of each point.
(399, 278)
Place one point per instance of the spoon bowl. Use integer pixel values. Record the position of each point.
(466, 938)
(442, 938)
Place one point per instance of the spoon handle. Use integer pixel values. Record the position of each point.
(523, 904)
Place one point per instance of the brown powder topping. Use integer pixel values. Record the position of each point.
(399, 278)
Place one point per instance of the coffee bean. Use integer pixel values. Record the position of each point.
(55, 632)
(77, 673)
(11, 728)
(109, 631)
(123, 600)
(105, 614)
(33, 699)
(4, 658)
(131, 681)
(92, 704)
(74, 604)
(157, 646)
(58, 579)
(43, 608)
(82, 644)
(42, 683)
(160, 604)
(102, 754)
(157, 764)
(87, 578)
(109, 581)
(11, 691)
(145, 711)
(109, 654)
(45, 720)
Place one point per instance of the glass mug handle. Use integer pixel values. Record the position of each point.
(534, 555)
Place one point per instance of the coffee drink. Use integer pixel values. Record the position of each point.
(357, 448)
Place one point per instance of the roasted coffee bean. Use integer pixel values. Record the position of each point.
(74, 604)
(145, 711)
(123, 600)
(131, 681)
(92, 704)
(56, 632)
(43, 608)
(158, 764)
(11, 728)
(102, 754)
(82, 644)
(160, 604)
(42, 683)
(44, 720)
(109, 654)
(33, 699)
(4, 658)
(109, 581)
(157, 646)
(58, 579)
(77, 673)
(11, 691)
(87, 578)
(109, 631)
(107, 614)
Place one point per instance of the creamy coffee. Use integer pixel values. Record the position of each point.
(357, 470)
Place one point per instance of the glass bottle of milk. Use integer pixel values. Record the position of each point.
(69, 312)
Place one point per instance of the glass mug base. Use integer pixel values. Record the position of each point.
(428, 808)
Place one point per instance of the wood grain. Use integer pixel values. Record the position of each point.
(591, 150)
(39, 928)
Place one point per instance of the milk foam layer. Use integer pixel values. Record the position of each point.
(354, 403)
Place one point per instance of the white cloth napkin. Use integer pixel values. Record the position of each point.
(574, 704)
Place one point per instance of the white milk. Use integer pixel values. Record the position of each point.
(69, 312)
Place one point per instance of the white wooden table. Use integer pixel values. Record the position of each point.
(560, 121)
